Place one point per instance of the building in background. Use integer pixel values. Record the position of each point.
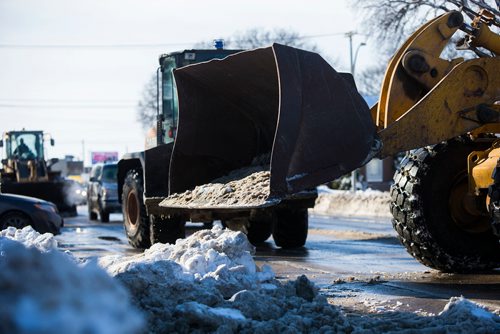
(69, 168)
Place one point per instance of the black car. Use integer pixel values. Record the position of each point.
(20, 211)
(102, 191)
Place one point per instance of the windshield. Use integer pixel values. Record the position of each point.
(25, 146)
(169, 101)
(109, 173)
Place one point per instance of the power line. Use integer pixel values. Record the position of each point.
(50, 100)
(128, 46)
(322, 35)
(69, 106)
(89, 46)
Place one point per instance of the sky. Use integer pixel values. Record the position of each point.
(76, 69)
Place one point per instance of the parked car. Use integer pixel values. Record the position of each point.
(20, 211)
(102, 192)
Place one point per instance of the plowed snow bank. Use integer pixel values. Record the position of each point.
(368, 203)
(208, 282)
(45, 291)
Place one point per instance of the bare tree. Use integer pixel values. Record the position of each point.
(146, 108)
(394, 20)
(370, 79)
(256, 37)
(390, 22)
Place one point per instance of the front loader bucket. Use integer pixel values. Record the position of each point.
(57, 192)
(281, 101)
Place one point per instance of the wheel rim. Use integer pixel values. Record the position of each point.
(16, 220)
(463, 210)
(132, 208)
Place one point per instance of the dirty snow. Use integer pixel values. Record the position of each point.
(368, 203)
(458, 316)
(251, 190)
(207, 282)
(45, 291)
(31, 238)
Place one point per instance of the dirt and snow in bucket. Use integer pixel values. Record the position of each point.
(245, 187)
(251, 190)
(207, 282)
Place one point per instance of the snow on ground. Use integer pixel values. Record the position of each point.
(368, 203)
(207, 282)
(458, 316)
(46, 291)
(31, 238)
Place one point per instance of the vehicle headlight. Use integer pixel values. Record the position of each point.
(46, 207)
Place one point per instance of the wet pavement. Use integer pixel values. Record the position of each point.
(358, 264)
(90, 239)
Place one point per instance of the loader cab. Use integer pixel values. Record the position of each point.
(24, 145)
(167, 90)
(24, 158)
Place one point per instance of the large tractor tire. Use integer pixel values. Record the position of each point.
(260, 226)
(166, 230)
(290, 227)
(135, 218)
(430, 217)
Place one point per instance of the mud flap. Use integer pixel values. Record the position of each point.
(281, 101)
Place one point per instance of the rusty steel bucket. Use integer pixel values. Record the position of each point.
(281, 101)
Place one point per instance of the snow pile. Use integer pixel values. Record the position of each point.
(45, 291)
(461, 308)
(221, 257)
(31, 238)
(368, 203)
(205, 283)
(458, 316)
(210, 282)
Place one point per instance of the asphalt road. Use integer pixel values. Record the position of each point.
(357, 263)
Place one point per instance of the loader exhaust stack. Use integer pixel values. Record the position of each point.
(281, 101)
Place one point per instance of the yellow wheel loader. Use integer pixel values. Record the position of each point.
(306, 124)
(446, 194)
(26, 172)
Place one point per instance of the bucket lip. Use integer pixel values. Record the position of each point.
(271, 201)
(186, 67)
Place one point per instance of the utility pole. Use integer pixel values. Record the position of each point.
(353, 57)
(83, 151)
(349, 35)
